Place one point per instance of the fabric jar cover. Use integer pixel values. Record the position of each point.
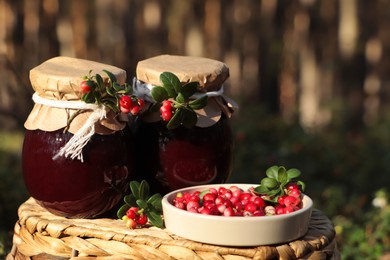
(210, 74)
(59, 79)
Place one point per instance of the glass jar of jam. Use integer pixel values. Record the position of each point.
(170, 159)
(93, 182)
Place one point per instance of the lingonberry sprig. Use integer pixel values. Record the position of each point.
(280, 182)
(173, 99)
(141, 208)
(110, 93)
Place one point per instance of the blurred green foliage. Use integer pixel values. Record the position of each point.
(345, 171)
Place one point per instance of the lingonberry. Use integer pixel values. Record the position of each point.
(281, 199)
(167, 104)
(294, 192)
(291, 201)
(259, 202)
(86, 86)
(291, 186)
(228, 212)
(246, 196)
(209, 196)
(166, 115)
(236, 202)
(250, 207)
(142, 219)
(125, 104)
(131, 223)
(131, 214)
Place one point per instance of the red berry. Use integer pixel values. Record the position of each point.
(292, 185)
(166, 115)
(131, 223)
(281, 199)
(291, 201)
(259, 202)
(131, 214)
(229, 212)
(209, 196)
(167, 104)
(294, 192)
(288, 209)
(141, 103)
(142, 219)
(250, 207)
(135, 110)
(86, 86)
(125, 104)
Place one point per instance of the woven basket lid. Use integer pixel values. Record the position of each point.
(59, 79)
(210, 74)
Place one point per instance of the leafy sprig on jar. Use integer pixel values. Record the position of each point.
(174, 100)
(115, 96)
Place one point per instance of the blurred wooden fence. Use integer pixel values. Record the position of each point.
(298, 58)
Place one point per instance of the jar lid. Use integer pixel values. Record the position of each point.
(58, 79)
(209, 73)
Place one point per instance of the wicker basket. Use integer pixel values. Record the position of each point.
(42, 235)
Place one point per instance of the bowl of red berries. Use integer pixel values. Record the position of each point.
(272, 212)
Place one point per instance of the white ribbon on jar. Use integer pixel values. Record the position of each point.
(74, 147)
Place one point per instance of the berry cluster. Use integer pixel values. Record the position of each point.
(234, 201)
(110, 93)
(131, 104)
(135, 217)
(166, 110)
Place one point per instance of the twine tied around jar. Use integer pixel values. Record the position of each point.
(74, 147)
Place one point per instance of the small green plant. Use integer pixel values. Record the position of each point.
(140, 199)
(180, 108)
(277, 181)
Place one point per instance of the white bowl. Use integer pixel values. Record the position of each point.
(235, 231)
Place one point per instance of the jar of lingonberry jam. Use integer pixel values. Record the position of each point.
(79, 177)
(170, 158)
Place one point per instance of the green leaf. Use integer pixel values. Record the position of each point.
(111, 76)
(282, 176)
(302, 185)
(130, 200)
(180, 98)
(143, 190)
(100, 82)
(272, 172)
(155, 219)
(134, 187)
(176, 119)
(262, 189)
(89, 97)
(155, 201)
(199, 103)
(171, 83)
(142, 204)
(293, 173)
(122, 211)
(189, 118)
(189, 89)
(159, 94)
(269, 183)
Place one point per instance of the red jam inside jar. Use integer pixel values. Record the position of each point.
(182, 157)
(72, 188)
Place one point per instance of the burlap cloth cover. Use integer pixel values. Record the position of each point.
(210, 74)
(59, 78)
(42, 235)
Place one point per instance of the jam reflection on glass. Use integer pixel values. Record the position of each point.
(173, 159)
(72, 188)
